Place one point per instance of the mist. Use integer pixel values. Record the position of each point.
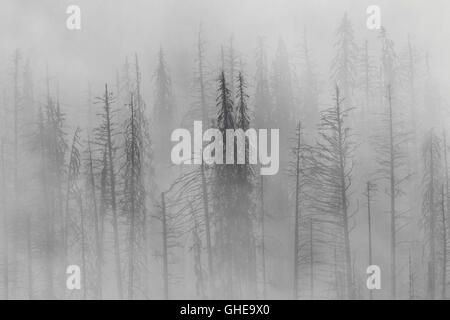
(88, 182)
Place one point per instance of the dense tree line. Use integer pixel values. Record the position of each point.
(354, 155)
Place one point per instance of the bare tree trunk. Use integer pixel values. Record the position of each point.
(102, 204)
(113, 196)
(66, 226)
(48, 207)
(15, 170)
(231, 66)
(348, 259)
(410, 277)
(336, 274)
(197, 249)
(444, 245)
(205, 119)
(447, 186)
(297, 212)
(366, 75)
(432, 270)
(59, 207)
(413, 101)
(369, 225)
(263, 234)
(118, 85)
(311, 259)
(165, 258)
(67, 207)
(28, 100)
(29, 257)
(5, 226)
(146, 248)
(141, 111)
(98, 239)
(201, 79)
(207, 228)
(447, 189)
(83, 248)
(392, 199)
(132, 238)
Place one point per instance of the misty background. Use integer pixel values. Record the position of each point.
(68, 70)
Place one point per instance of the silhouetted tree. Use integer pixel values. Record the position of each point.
(432, 180)
(333, 163)
(263, 99)
(104, 136)
(390, 144)
(344, 65)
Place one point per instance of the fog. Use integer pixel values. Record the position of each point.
(108, 199)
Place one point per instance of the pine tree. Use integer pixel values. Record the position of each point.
(197, 249)
(5, 224)
(223, 202)
(310, 89)
(231, 60)
(17, 205)
(263, 99)
(297, 164)
(282, 89)
(83, 240)
(73, 172)
(299, 173)
(344, 66)
(44, 176)
(104, 136)
(98, 221)
(370, 190)
(165, 247)
(53, 148)
(444, 245)
(201, 85)
(263, 237)
(283, 117)
(367, 74)
(431, 206)
(147, 174)
(163, 109)
(244, 190)
(134, 191)
(333, 163)
(390, 145)
(28, 120)
(411, 278)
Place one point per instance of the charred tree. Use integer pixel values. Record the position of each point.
(431, 206)
(105, 134)
(333, 174)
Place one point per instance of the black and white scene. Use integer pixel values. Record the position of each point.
(224, 150)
